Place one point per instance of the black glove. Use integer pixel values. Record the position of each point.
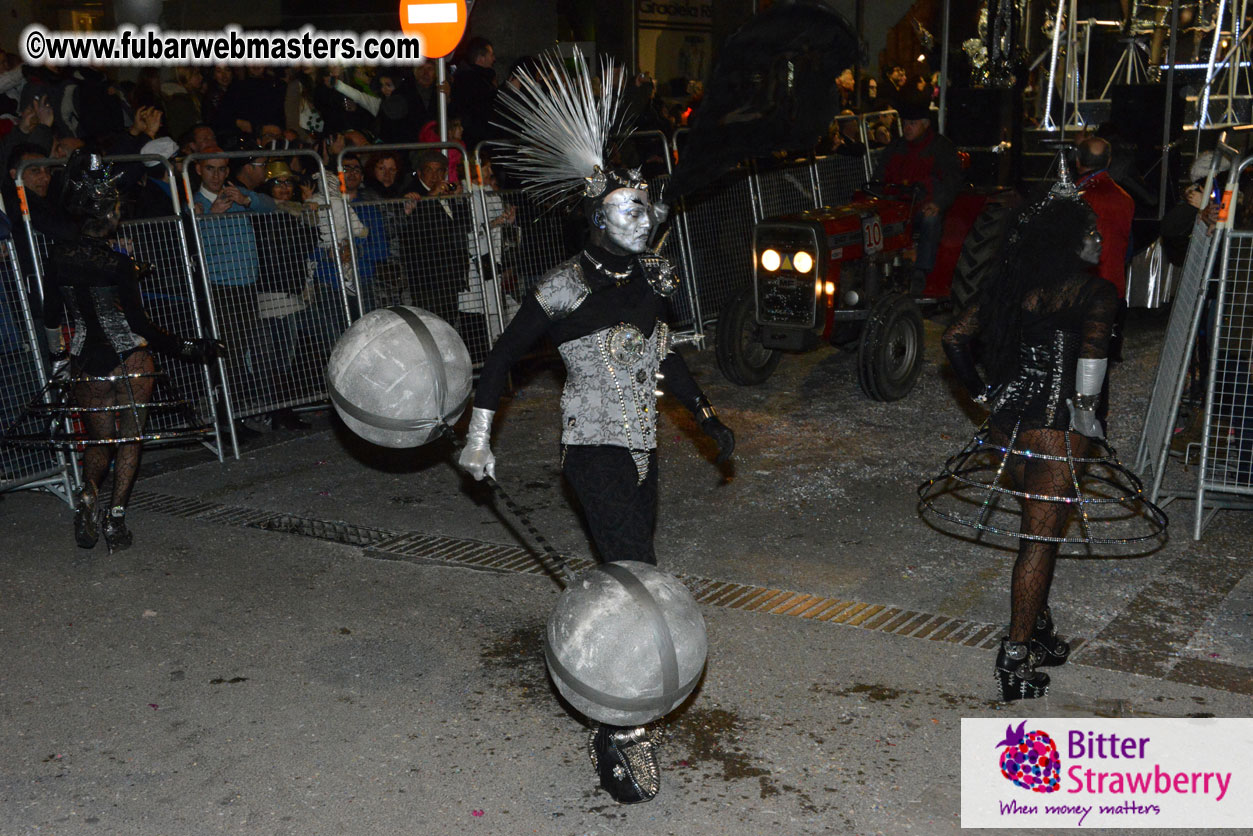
(201, 350)
(963, 363)
(722, 436)
(715, 429)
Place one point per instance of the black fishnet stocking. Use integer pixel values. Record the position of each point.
(132, 392)
(1033, 570)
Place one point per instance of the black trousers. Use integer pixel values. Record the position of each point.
(621, 511)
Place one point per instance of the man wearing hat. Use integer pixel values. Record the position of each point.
(920, 158)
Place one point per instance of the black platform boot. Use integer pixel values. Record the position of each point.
(116, 534)
(625, 759)
(1016, 675)
(86, 518)
(1047, 648)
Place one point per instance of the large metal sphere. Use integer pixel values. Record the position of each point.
(396, 373)
(626, 643)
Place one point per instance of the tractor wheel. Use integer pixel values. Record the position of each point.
(737, 345)
(890, 357)
(979, 252)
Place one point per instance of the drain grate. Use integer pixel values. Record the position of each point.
(385, 544)
(398, 545)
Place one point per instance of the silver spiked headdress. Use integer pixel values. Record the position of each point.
(562, 130)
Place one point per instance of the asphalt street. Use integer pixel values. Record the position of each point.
(326, 637)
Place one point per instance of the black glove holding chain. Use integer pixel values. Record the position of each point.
(201, 350)
(715, 429)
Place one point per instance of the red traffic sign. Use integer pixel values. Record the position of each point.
(439, 23)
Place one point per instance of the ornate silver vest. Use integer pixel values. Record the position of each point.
(610, 394)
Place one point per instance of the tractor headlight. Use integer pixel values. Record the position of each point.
(770, 260)
(803, 262)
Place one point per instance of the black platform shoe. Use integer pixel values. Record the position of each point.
(116, 534)
(1047, 648)
(86, 518)
(625, 759)
(1016, 675)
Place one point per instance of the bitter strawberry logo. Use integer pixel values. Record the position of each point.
(1030, 759)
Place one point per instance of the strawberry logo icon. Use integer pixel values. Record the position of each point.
(1030, 759)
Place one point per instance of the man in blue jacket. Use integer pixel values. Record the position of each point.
(232, 268)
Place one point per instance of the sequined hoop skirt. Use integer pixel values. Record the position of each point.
(1107, 501)
(53, 418)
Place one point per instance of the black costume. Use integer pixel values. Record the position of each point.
(1044, 323)
(111, 374)
(615, 479)
(605, 310)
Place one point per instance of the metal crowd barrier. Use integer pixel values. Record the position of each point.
(274, 282)
(1225, 475)
(24, 378)
(168, 292)
(428, 252)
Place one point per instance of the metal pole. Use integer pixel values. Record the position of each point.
(1170, 104)
(441, 76)
(1047, 123)
(1203, 117)
(943, 118)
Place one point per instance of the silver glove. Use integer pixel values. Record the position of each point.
(476, 457)
(1089, 378)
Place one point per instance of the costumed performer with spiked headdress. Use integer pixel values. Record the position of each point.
(605, 311)
(1044, 321)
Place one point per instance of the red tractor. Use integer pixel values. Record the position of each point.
(841, 275)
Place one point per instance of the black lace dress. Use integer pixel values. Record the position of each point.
(1025, 473)
(1060, 324)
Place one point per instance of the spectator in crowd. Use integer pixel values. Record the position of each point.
(870, 101)
(339, 112)
(437, 265)
(384, 179)
(456, 133)
(1114, 208)
(249, 173)
(395, 116)
(180, 99)
(923, 166)
(256, 99)
(1179, 223)
(46, 216)
(229, 248)
(34, 127)
(287, 238)
(302, 114)
(198, 139)
(894, 77)
(486, 242)
(474, 91)
(424, 92)
(846, 87)
(335, 248)
(155, 196)
(214, 93)
(846, 135)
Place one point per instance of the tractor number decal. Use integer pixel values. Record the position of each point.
(872, 234)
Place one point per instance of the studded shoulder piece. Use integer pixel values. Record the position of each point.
(563, 289)
(660, 273)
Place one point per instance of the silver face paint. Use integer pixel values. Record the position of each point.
(627, 219)
(1090, 249)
